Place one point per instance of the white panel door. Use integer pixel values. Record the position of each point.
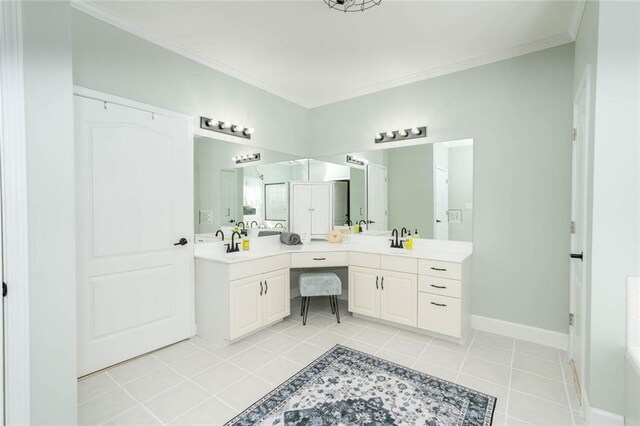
(134, 201)
(228, 197)
(399, 297)
(321, 211)
(276, 300)
(377, 197)
(301, 208)
(245, 306)
(441, 198)
(364, 291)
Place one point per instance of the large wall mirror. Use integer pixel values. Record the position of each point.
(426, 188)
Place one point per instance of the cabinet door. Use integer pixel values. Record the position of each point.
(245, 306)
(399, 297)
(276, 300)
(301, 208)
(364, 293)
(321, 209)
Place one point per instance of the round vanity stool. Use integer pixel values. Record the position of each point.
(319, 284)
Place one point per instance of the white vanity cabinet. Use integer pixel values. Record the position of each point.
(233, 300)
(311, 208)
(383, 293)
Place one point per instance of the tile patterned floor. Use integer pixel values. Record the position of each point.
(194, 383)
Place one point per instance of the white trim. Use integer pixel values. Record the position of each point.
(96, 11)
(576, 17)
(521, 332)
(598, 417)
(13, 158)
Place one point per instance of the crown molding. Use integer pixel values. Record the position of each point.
(99, 13)
(92, 9)
(576, 18)
(452, 68)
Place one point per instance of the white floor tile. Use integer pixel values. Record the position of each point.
(327, 340)
(539, 386)
(406, 346)
(451, 346)
(372, 336)
(153, 383)
(175, 352)
(321, 321)
(362, 346)
(395, 357)
(92, 386)
(244, 393)
(219, 377)
(282, 325)
(490, 353)
(304, 353)
(502, 342)
(232, 350)
(302, 332)
(252, 359)
(279, 343)
(211, 412)
(104, 407)
(500, 392)
(346, 329)
(540, 351)
(537, 411)
(436, 370)
(137, 367)
(551, 370)
(414, 336)
(136, 416)
(260, 336)
(485, 370)
(176, 401)
(278, 371)
(196, 363)
(443, 357)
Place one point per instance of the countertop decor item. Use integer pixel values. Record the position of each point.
(334, 236)
(345, 386)
(352, 5)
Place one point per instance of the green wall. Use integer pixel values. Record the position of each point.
(461, 191)
(519, 114)
(632, 393)
(108, 59)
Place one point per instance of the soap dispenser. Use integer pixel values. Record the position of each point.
(416, 235)
(408, 242)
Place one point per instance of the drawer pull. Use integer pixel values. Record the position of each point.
(319, 258)
(438, 269)
(438, 286)
(438, 304)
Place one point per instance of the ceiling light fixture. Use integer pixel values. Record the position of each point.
(352, 5)
(246, 158)
(405, 134)
(226, 127)
(356, 160)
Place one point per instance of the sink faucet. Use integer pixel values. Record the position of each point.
(219, 231)
(360, 224)
(281, 225)
(396, 243)
(404, 231)
(233, 247)
(244, 228)
(349, 222)
(252, 222)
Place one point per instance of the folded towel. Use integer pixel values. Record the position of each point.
(268, 233)
(290, 239)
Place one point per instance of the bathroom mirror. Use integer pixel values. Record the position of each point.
(253, 192)
(426, 188)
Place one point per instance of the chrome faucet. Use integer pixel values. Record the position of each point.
(397, 243)
(233, 247)
(219, 231)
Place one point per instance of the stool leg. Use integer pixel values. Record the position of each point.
(335, 302)
(333, 308)
(306, 311)
(302, 307)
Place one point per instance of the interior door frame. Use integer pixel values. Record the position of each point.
(584, 86)
(16, 404)
(435, 205)
(385, 196)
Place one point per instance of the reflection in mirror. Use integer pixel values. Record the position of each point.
(254, 193)
(425, 188)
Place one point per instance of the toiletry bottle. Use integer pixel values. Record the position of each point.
(356, 229)
(408, 242)
(416, 235)
(246, 244)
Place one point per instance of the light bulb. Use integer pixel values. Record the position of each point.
(390, 135)
(226, 124)
(234, 159)
(212, 122)
(379, 137)
(402, 133)
(248, 131)
(415, 131)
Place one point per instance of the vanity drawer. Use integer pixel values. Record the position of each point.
(319, 260)
(399, 264)
(365, 260)
(439, 314)
(441, 286)
(273, 263)
(245, 269)
(437, 268)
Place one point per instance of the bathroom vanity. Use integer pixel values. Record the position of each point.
(427, 288)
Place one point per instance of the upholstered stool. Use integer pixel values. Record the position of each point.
(319, 284)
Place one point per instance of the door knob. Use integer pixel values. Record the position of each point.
(438, 221)
(182, 242)
(576, 256)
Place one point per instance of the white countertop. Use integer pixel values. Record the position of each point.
(448, 251)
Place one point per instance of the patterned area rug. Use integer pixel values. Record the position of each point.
(348, 387)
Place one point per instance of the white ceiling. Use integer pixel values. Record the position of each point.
(311, 55)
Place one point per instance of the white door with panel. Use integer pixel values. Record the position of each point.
(245, 306)
(311, 208)
(441, 207)
(134, 208)
(578, 232)
(277, 304)
(364, 284)
(376, 197)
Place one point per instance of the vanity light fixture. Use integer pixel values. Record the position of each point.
(402, 134)
(226, 127)
(356, 160)
(352, 5)
(247, 158)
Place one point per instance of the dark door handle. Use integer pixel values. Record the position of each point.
(438, 221)
(182, 242)
(382, 283)
(377, 278)
(260, 288)
(576, 255)
(266, 287)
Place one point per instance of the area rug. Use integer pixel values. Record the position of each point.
(348, 387)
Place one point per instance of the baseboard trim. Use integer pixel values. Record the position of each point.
(598, 417)
(520, 331)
